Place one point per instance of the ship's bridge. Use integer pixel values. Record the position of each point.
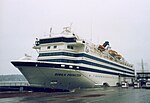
(65, 36)
(65, 41)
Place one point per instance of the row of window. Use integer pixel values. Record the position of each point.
(54, 40)
(54, 47)
(69, 47)
(59, 53)
(89, 63)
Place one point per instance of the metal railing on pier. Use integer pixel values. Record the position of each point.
(14, 83)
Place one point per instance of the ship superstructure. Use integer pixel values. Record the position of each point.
(67, 62)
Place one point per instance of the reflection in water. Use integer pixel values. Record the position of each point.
(96, 95)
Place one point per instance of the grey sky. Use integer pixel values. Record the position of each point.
(125, 23)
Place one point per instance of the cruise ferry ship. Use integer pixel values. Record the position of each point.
(67, 62)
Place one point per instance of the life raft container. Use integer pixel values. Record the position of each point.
(101, 48)
(112, 53)
(118, 56)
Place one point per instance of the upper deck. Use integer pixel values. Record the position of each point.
(71, 43)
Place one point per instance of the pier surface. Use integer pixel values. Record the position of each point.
(96, 95)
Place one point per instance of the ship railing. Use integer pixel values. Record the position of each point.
(14, 83)
(141, 71)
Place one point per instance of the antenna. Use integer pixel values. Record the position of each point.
(70, 26)
(91, 30)
(142, 66)
(50, 32)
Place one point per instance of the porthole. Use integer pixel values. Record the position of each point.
(48, 47)
(55, 47)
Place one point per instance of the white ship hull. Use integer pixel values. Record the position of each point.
(59, 77)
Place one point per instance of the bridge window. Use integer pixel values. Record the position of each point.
(69, 47)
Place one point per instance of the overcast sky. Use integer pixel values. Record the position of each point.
(124, 23)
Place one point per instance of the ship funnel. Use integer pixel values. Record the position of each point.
(106, 43)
